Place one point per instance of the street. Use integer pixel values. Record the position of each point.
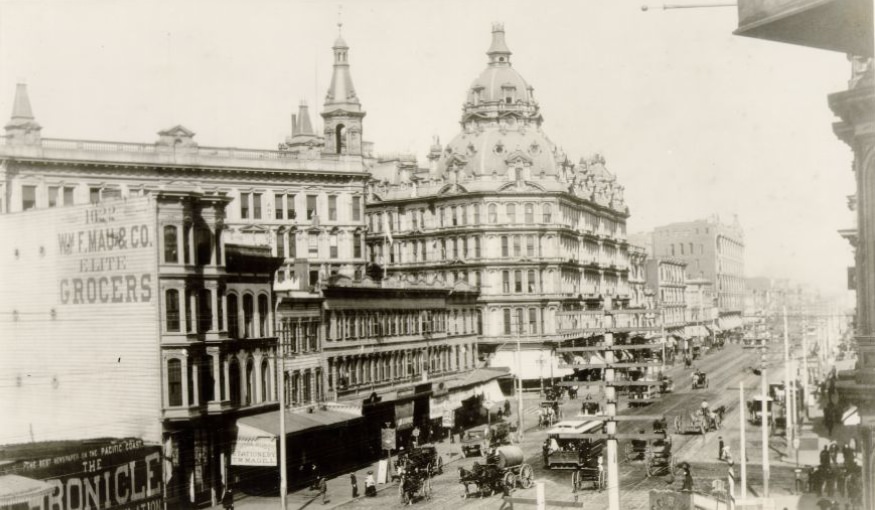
(725, 369)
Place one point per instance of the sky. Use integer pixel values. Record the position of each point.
(691, 118)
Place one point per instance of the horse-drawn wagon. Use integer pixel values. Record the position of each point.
(503, 471)
(655, 453)
(700, 380)
(416, 469)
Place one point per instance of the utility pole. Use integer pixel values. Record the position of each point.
(611, 408)
(789, 419)
(804, 369)
(742, 447)
(280, 384)
(765, 424)
(519, 377)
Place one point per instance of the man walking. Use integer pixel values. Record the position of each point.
(355, 485)
(824, 457)
(323, 489)
(720, 448)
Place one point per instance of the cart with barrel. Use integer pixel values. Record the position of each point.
(503, 471)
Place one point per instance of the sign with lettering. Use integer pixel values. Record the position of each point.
(122, 475)
(104, 253)
(253, 447)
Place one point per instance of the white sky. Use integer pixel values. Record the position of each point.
(692, 119)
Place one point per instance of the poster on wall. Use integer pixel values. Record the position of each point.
(253, 448)
(116, 475)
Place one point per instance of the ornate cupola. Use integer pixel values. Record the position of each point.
(342, 110)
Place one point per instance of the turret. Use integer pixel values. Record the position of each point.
(342, 110)
(22, 128)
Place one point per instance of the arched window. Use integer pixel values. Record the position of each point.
(234, 381)
(340, 139)
(233, 318)
(262, 315)
(530, 213)
(250, 381)
(174, 382)
(171, 309)
(493, 213)
(171, 253)
(510, 213)
(265, 381)
(248, 316)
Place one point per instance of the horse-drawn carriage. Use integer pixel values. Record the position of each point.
(569, 447)
(755, 410)
(700, 380)
(415, 470)
(696, 422)
(655, 453)
(666, 384)
(503, 471)
(479, 440)
(549, 413)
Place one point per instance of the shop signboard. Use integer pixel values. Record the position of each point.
(388, 439)
(116, 475)
(404, 415)
(253, 447)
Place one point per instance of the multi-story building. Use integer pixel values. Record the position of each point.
(701, 313)
(502, 208)
(666, 278)
(712, 250)
(167, 338)
(637, 277)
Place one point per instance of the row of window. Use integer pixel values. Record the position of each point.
(683, 249)
(350, 371)
(304, 387)
(201, 244)
(520, 321)
(286, 206)
(355, 326)
(287, 244)
(251, 385)
(196, 312)
(458, 215)
(63, 195)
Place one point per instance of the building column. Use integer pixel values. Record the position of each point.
(217, 375)
(195, 378)
(184, 369)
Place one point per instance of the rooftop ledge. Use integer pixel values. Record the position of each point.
(126, 153)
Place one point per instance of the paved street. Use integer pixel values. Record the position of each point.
(725, 369)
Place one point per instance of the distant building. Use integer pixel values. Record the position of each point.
(712, 250)
(666, 278)
(503, 209)
(637, 277)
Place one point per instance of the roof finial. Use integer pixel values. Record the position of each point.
(339, 20)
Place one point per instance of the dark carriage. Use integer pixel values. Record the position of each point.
(700, 381)
(503, 471)
(654, 453)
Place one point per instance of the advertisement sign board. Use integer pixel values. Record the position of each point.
(387, 440)
(118, 475)
(253, 448)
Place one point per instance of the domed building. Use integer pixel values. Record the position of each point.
(503, 209)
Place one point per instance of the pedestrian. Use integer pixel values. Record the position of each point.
(720, 447)
(353, 481)
(833, 454)
(688, 478)
(828, 419)
(323, 489)
(228, 500)
(507, 408)
(847, 455)
(824, 457)
(727, 455)
(370, 485)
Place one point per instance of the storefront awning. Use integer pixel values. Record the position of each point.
(696, 331)
(300, 421)
(20, 490)
(535, 364)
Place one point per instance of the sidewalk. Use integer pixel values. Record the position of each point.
(339, 488)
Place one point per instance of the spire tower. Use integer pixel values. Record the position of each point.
(342, 110)
(22, 127)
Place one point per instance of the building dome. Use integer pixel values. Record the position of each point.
(501, 124)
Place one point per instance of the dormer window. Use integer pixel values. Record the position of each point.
(508, 92)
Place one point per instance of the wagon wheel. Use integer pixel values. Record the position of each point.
(575, 480)
(509, 480)
(526, 477)
(440, 465)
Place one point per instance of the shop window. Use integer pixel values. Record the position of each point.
(248, 316)
(263, 315)
(171, 309)
(233, 317)
(174, 382)
(171, 255)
